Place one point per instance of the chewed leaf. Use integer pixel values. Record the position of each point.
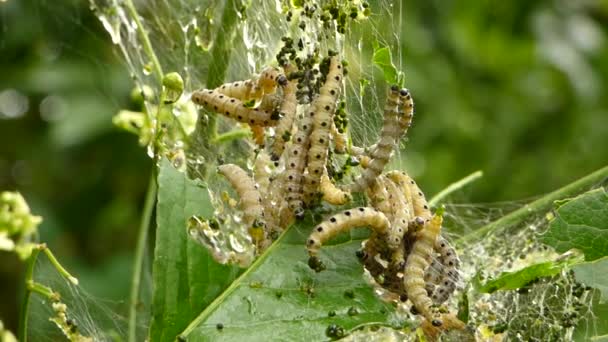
(594, 274)
(518, 279)
(182, 269)
(296, 303)
(382, 59)
(581, 223)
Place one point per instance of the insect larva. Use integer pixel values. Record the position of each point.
(331, 193)
(449, 274)
(403, 181)
(324, 107)
(255, 88)
(295, 164)
(417, 262)
(406, 111)
(288, 111)
(233, 108)
(342, 222)
(400, 219)
(381, 154)
(250, 199)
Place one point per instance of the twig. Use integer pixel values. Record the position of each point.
(513, 219)
(455, 187)
(140, 248)
(25, 303)
(232, 135)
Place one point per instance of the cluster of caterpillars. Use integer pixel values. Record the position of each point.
(292, 114)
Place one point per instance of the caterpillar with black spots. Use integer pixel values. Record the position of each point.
(255, 88)
(295, 164)
(385, 146)
(342, 222)
(417, 262)
(288, 109)
(324, 107)
(234, 108)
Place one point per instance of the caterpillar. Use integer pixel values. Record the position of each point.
(296, 163)
(254, 89)
(400, 219)
(288, 110)
(233, 108)
(416, 264)
(324, 107)
(449, 275)
(342, 222)
(331, 193)
(250, 200)
(385, 146)
(419, 205)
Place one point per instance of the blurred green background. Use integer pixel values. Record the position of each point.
(516, 89)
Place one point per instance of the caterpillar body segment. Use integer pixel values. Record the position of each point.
(449, 274)
(406, 112)
(295, 164)
(250, 200)
(262, 172)
(287, 110)
(331, 193)
(381, 154)
(404, 181)
(233, 108)
(399, 220)
(417, 262)
(342, 222)
(255, 88)
(324, 108)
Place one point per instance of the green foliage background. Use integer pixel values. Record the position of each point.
(516, 89)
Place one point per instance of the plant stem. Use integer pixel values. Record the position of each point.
(57, 265)
(455, 187)
(232, 135)
(42, 290)
(158, 71)
(140, 248)
(25, 304)
(513, 219)
(220, 54)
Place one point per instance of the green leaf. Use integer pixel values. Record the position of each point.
(594, 274)
(382, 59)
(594, 325)
(581, 223)
(279, 295)
(519, 279)
(186, 278)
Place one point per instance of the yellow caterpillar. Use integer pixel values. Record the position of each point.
(288, 111)
(250, 200)
(331, 193)
(233, 108)
(324, 107)
(295, 164)
(342, 222)
(417, 262)
(254, 89)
